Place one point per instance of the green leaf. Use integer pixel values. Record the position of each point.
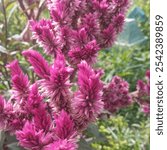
(3, 50)
(12, 8)
(84, 145)
(14, 146)
(2, 138)
(93, 129)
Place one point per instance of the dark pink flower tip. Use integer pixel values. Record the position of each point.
(118, 22)
(14, 68)
(87, 103)
(40, 65)
(20, 82)
(43, 32)
(116, 94)
(148, 74)
(20, 86)
(57, 87)
(121, 3)
(29, 138)
(87, 53)
(65, 126)
(109, 35)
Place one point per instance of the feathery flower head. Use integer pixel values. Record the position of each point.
(87, 53)
(11, 118)
(87, 103)
(40, 65)
(116, 94)
(42, 119)
(64, 126)
(20, 82)
(75, 23)
(57, 87)
(29, 138)
(45, 35)
(37, 108)
(34, 99)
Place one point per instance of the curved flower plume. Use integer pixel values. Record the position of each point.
(143, 93)
(116, 94)
(20, 82)
(12, 119)
(87, 103)
(63, 11)
(38, 110)
(55, 82)
(34, 100)
(45, 35)
(57, 87)
(83, 49)
(32, 139)
(5, 109)
(40, 65)
(59, 84)
(65, 126)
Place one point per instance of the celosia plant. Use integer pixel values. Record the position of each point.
(48, 114)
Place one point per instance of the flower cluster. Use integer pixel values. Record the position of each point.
(143, 93)
(52, 112)
(87, 102)
(116, 94)
(80, 28)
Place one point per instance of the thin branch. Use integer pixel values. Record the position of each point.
(6, 40)
(23, 8)
(41, 8)
(5, 23)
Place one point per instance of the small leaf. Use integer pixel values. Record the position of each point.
(14, 146)
(3, 50)
(83, 145)
(2, 138)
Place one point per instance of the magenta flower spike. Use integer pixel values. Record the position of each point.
(20, 82)
(40, 65)
(67, 94)
(116, 94)
(87, 102)
(43, 32)
(31, 139)
(64, 126)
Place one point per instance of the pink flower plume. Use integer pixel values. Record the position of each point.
(87, 103)
(20, 82)
(116, 94)
(40, 65)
